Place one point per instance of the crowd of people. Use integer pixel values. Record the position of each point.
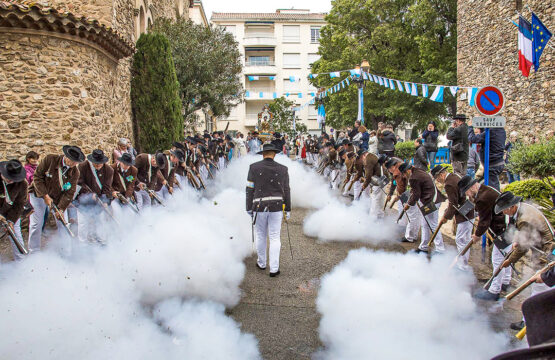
(512, 227)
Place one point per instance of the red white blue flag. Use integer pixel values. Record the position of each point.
(525, 57)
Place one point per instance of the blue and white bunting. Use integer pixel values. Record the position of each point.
(261, 94)
(365, 76)
(335, 74)
(300, 95)
(391, 84)
(386, 82)
(292, 78)
(424, 90)
(274, 95)
(399, 86)
(247, 94)
(454, 90)
(437, 95)
(414, 90)
(407, 87)
(472, 96)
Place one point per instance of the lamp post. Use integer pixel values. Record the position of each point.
(359, 80)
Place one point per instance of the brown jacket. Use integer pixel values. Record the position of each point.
(371, 168)
(124, 181)
(358, 169)
(18, 196)
(88, 182)
(423, 188)
(350, 164)
(46, 181)
(484, 205)
(168, 174)
(400, 184)
(533, 230)
(455, 199)
(143, 166)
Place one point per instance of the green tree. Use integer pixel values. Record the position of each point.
(408, 40)
(534, 160)
(283, 117)
(155, 95)
(208, 66)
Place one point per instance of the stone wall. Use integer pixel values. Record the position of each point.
(57, 91)
(487, 55)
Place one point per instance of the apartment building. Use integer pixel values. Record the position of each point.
(277, 50)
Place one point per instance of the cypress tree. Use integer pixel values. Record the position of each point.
(158, 120)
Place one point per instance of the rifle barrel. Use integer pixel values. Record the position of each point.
(20, 247)
(529, 281)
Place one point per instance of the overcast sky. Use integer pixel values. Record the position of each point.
(263, 5)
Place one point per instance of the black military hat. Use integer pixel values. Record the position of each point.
(220, 140)
(179, 154)
(73, 153)
(127, 159)
(228, 138)
(207, 136)
(391, 162)
(465, 183)
(277, 135)
(269, 147)
(160, 160)
(360, 152)
(178, 145)
(461, 117)
(341, 153)
(97, 157)
(505, 201)
(382, 158)
(12, 170)
(351, 154)
(404, 167)
(438, 169)
(345, 142)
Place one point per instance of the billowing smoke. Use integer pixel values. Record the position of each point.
(341, 222)
(378, 305)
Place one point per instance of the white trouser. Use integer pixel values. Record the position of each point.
(504, 276)
(17, 230)
(462, 238)
(415, 217)
(143, 199)
(268, 225)
(427, 231)
(327, 171)
(221, 162)
(163, 193)
(357, 189)
(346, 191)
(377, 199)
(182, 180)
(62, 240)
(203, 172)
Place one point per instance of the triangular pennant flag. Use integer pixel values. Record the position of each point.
(348, 81)
(407, 87)
(399, 85)
(247, 94)
(414, 91)
(310, 76)
(287, 94)
(454, 90)
(472, 96)
(251, 78)
(391, 84)
(386, 82)
(424, 90)
(292, 78)
(261, 94)
(334, 74)
(355, 72)
(274, 95)
(437, 95)
(312, 93)
(381, 80)
(272, 77)
(300, 95)
(365, 76)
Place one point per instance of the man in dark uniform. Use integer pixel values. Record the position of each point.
(125, 177)
(268, 195)
(148, 174)
(456, 200)
(424, 193)
(398, 187)
(13, 197)
(484, 198)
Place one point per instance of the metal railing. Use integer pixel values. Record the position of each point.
(260, 63)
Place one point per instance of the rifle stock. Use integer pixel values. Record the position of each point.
(530, 281)
(497, 270)
(124, 201)
(20, 247)
(60, 217)
(155, 197)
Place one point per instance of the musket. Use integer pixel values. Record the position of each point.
(200, 180)
(213, 164)
(155, 196)
(401, 215)
(60, 216)
(498, 269)
(209, 172)
(105, 209)
(393, 202)
(530, 281)
(192, 179)
(124, 201)
(9, 230)
(434, 235)
(288, 236)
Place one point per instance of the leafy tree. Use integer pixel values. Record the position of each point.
(534, 160)
(208, 66)
(283, 117)
(411, 40)
(155, 95)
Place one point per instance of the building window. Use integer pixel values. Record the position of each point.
(312, 58)
(291, 60)
(259, 61)
(290, 86)
(312, 112)
(314, 34)
(292, 33)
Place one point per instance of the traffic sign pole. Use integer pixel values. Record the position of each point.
(486, 182)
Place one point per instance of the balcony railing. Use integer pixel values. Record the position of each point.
(260, 63)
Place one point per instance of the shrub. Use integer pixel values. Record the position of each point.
(405, 150)
(155, 95)
(448, 166)
(534, 160)
(533, 189)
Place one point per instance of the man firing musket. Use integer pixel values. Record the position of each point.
(148, 174)
(13, 197)
(123, 181)
(267, 192)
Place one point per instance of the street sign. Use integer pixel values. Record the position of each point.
(489, 100)
(488, 121)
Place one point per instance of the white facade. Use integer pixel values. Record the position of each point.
(197, 14)
(276, 48)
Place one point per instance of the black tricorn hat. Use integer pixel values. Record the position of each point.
(206, 136)
(178, 145)
(179, 154)
(360, 152)
(438, 169)
(12, 170)
(342, 152)
(382, 158)
(391, 162)
(73, 153)
(404, 167)
(460, 117)
(127, 159)
(465, 183)
(97, 157)
(160, 160)
(505, 201)
(269, 147)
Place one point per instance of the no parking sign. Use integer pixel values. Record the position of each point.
(489, 100)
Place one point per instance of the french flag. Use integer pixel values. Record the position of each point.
(524, 46)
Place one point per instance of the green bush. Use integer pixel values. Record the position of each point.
(448, 166)
(533, 189)
(534, 160)
(405, 150)
(156, 106)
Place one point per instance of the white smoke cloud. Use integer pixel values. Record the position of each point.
(378, 305)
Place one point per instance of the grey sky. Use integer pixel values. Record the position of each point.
(263, 5)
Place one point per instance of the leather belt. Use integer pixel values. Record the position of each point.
(268, 198)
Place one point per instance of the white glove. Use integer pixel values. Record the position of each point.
(288, 215)
(249, 212)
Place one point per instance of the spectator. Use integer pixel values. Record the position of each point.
(381, 128)
(119, 150)
(399, 139)
(458, 134)
(496, 151)
(31, 163)
(364, 137)
(420, 157)
(373, 143)
(354, 131)
(388, 141)
(513, 140)
(131, 150)
(430, 142)
(473, 163)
